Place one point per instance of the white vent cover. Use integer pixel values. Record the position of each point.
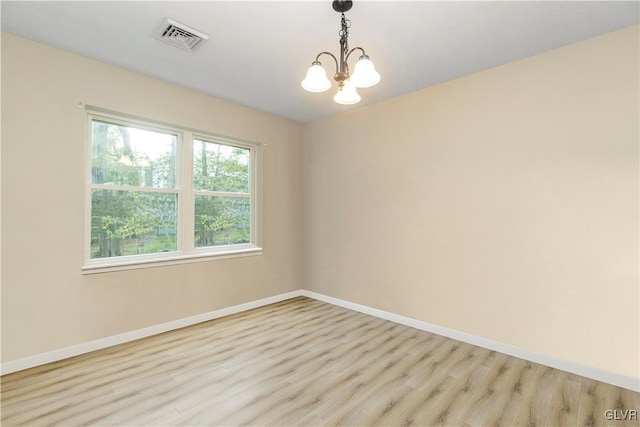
(179, 35)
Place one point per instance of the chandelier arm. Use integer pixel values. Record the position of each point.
(351, 51)
(331, 55)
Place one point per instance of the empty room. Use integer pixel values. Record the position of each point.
(313, 213)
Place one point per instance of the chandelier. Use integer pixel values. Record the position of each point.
(364, 73)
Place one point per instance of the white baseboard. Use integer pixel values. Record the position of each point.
(575, 368)
(75, 350)
(619, 380)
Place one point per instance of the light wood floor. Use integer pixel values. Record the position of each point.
(304, 362)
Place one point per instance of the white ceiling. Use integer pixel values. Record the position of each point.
(259, 51)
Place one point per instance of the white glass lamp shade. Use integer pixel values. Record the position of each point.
(364, 73)
(347, 94)
(316, 79)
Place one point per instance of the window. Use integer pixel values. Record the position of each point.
(221, 189)
(160, 194)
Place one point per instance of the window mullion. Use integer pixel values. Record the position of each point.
(187, 205)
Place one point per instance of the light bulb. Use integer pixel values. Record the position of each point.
(316, 79)
(364, 73)
(347, 94)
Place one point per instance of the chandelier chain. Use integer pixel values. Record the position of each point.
(344, 42)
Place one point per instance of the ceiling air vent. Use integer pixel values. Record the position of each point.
(179, 35)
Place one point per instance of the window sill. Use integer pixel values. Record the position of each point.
(108, 267)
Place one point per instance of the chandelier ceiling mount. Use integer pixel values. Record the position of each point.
(342, 6)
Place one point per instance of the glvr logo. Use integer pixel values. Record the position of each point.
(621, 414)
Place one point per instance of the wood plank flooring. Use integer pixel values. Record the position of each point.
(302, 362)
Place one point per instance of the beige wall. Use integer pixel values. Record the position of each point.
(503, 204)
(46, 303)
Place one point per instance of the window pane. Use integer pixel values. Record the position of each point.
(125, 155)
(132, 223)
(222, 221)
(220, 167)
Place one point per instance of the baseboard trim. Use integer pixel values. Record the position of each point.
(619, 380)
(75, 350)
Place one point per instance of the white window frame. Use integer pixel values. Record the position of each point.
(186, 251)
